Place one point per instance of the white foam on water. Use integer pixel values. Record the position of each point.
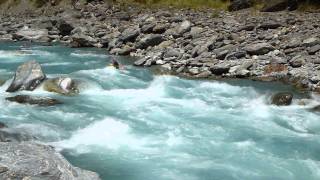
(57, 64)
(88, 54)
(109, 133)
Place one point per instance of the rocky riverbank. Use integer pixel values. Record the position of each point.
(280, 46)
(21, 158)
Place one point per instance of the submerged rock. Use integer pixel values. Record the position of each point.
(2, 125)
(27, 77)
(34, 100)
(28, 160)
(282, 99)
(61, 85)
(316, 109)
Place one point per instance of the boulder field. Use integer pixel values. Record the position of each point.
(278, 46)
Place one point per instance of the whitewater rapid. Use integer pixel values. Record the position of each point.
(131, 124)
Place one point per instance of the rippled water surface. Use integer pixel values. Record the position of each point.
(132, 125)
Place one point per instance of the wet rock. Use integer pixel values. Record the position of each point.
(28, 160)
(61, 85)
(237, 5)
(315, 109)
(2, 125)
(282, 99)
(27, 77)
(149, 40)
(259, 48)
(33, 100)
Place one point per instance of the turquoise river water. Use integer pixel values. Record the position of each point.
(133, 125)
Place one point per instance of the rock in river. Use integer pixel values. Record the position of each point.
(61, 85)
(33, 100)
(28, 160)
(282, 99)
(27, 77)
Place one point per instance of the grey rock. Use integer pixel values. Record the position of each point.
(282, 99)
(184, 27)
(149, 40)
(235, 55)
(259, 48)
(33, 100)
(61, 85)
(147, 28)
(172, 53)
(314, 49)
(297, 61)
(269, 25)
(129, 35)
(40, 35)
(28, 160)
(311, 42)
(220, 69)
(27, 77)
(82, 40)
(140, 62)
(9, 135)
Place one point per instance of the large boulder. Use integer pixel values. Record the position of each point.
(129, 35)
(282, 99)
(64, 27)
(259, 48)
(149, 40)
(40, 35)
(28, 160)
(61, 85)
(184, 27)
(279, 5)
(33, 100)
(27, 77)
(236, 5)
(82, 40)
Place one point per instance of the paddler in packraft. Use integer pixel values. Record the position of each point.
(116, 64)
